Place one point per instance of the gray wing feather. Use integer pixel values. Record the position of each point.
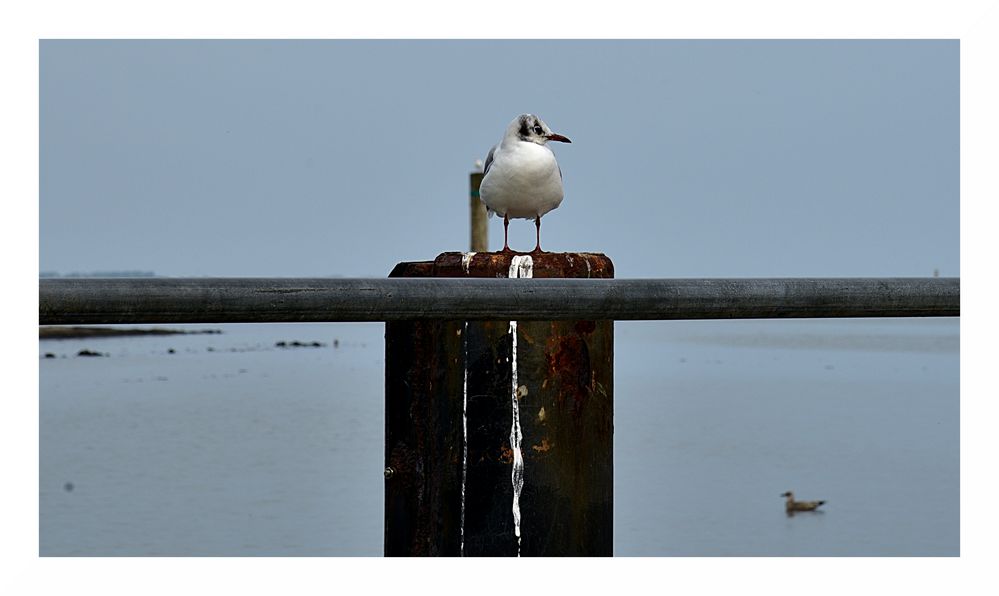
(485, 170)
(489, 161)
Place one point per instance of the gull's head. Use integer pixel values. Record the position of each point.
(530, 128)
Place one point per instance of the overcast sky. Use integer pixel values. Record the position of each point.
(688, 158)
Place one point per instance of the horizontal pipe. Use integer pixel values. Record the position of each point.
(80, 301)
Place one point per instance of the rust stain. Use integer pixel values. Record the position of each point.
(506, 455)
(544, 446)
(568, 360)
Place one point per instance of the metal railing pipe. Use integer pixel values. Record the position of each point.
(73, 301)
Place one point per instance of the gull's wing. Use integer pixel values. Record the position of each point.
(485, 170)
(489, 161)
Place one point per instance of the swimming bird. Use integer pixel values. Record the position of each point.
(521, 179)
(791, 505)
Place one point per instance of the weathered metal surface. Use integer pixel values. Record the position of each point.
(421, 390)
(565, 403)
(253, 300)
(567, 415)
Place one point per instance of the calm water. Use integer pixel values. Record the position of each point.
(232, 446)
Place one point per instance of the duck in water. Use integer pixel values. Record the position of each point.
(792, 506)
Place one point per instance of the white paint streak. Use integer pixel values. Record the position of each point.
(522, 266)
(466, 260)
(464, 438)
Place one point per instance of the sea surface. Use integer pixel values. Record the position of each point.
(232, 446)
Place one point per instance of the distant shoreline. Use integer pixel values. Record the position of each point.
(45, 332)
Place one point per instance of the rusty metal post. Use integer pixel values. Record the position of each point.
(479, 224)
(486, 421)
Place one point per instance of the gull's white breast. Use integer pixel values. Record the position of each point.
(523, 181)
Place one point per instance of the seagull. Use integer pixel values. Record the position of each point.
(791, 505)
(521, 179)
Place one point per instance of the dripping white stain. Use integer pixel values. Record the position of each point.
(466, 260)
(464, 435)
(522, 266)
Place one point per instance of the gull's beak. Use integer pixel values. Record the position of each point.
(557, 137)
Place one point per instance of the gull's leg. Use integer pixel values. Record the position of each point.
(506, 226)
(537, 247)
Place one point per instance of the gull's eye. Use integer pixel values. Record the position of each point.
(537, 130)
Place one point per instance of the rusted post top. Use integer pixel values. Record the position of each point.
(494, 264)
